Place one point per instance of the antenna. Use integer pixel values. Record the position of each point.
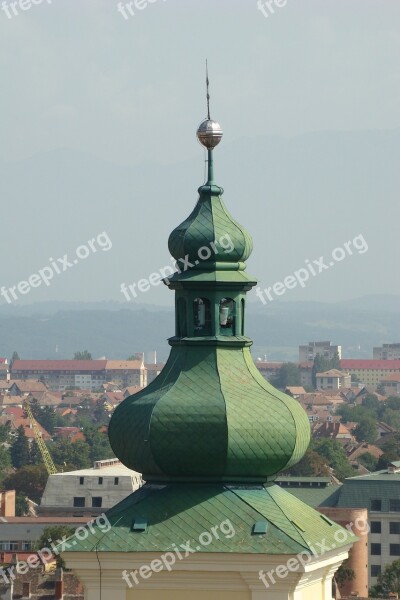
(208, 91)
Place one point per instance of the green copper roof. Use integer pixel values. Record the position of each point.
(178, 513)
(211, 415)
(208, 223)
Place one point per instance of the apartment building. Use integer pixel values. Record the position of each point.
(387, 352)
(326, 349)
(380, 493)
(370, 372)
(58, 375)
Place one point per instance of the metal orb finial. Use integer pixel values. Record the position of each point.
(209, 133)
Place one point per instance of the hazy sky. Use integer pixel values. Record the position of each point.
(77, 75)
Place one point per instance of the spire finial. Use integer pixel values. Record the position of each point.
(209, 132)
(208, 92)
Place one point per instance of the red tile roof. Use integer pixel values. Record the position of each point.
(370, 364)
(59, 365)
(123, 365)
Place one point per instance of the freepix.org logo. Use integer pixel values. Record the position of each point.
(167, 560)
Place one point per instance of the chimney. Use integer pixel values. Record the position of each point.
(26, 590)
(7, 503)
(59, 585)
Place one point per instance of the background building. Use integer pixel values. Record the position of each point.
(88, 491)
(90, 375)
(326, 349)
(333, 380)
(387, 352)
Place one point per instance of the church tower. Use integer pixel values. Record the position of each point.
(210, 435)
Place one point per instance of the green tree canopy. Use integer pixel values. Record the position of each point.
(388, 581)
(311, 465)
(20, 451)
(288, 374)
(333, 453)
(83, 355)
(15, 356)
(70, 455)
(28, 481)
(366, 430)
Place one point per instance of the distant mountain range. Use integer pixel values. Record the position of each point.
(52, 330)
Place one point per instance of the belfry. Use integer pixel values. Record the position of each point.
(210, 435)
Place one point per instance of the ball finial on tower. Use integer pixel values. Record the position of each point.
(209, 132)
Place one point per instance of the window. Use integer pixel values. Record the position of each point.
(116, 480)
(375, 549)
(202, 317)
(394, 527)
(375, 570)
(227, 316)
(182, 320)
(394, 549)
(100, 481)
(79, 501)
(376, 505)
(394, 505)
(97, 501)
(376, 527)
(81, 480)
(26, 546)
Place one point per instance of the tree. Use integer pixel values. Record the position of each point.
(392, 417)
(311, 465)
(4, 433)
(333, 453)
(392, 445)
(344, 574)
(371, 402)
(20, 452)
(368, 461)
(85, 355)
(99, 444)
(288, 374)
(5, 461)
(46, 416)
(28, 481)
(393, 402)
(366, 430)
(388, 581)
(70, 455)
(15, 356)
(54, 534)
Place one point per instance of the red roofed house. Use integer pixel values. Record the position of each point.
(391, 384)
(332, 380)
